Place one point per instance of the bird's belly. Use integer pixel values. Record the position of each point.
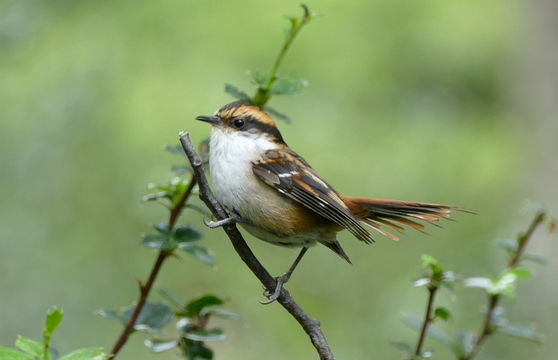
(295, 240)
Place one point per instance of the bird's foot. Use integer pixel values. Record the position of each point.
(279, 282)
(215, 224)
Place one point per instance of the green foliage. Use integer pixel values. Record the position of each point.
(505, 284)
(85, 354)
(237, 93)
(182, 237)
(274, 83)
(442, 313)
(152, 318)
(192, 320)
(436, 275)
(29, 349)
(465, 344)
(171, 192)
(29, 346)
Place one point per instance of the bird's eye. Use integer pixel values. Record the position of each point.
(238, 123)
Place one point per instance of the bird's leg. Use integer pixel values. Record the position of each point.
(281, 280)
(215, 224)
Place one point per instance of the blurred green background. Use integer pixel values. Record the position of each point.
(451, 102)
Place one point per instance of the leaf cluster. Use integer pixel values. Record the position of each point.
(29, 349)
(465, 344)
(191, 320)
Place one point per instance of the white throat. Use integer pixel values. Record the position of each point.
(231, 154)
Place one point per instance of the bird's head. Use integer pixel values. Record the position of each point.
(244, 119)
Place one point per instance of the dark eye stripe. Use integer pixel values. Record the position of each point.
(253, 123)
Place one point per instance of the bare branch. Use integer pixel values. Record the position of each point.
(310, 325)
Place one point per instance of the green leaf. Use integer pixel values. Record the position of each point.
(151, 319)
(276, 114)
(236, 93)
(172, 191)
(442, 313)
(30, 346)
(258, 78)
(53, 319)
(156, 196)
(423, 281)
(158, 241)
(184, 322)
(464, 343)
(197, 351)
(226, 314)
(12, 354)
(434, 332)
(161, 240)
(158, 345)
(195, 306)
(479, 282)
(534, 258)
(205, 335)
(112, 314)
(170, 298)
(498, 317)
(285, 85)
(526, 332)
(174, 149)
(200, 253)
(85, 354)
(405, 348)
(430, 262)
(507, 282)
(163, 228)
(185, 233)
(520, 272)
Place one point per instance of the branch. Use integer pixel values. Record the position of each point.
(493, 299)
(145, 289)
(428, 318)
(310, 325)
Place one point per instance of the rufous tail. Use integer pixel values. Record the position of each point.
(393, 214)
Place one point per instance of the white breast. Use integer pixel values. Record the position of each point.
(230, 163)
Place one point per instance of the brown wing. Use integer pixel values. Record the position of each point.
(289, 174)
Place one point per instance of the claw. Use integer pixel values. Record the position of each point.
(215, 224)
(282, 280)
(271, 297)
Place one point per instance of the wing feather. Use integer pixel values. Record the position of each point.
(289, 174)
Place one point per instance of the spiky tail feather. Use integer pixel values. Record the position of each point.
(394, 214)
(336, 247)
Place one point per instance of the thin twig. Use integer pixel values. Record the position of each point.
(310, 325)
(432, 289)
(488, 327)
(145, 289)
(524, 239)
(263, 93)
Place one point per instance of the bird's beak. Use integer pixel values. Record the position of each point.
(213, 120)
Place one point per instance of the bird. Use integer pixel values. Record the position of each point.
(276, 196)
